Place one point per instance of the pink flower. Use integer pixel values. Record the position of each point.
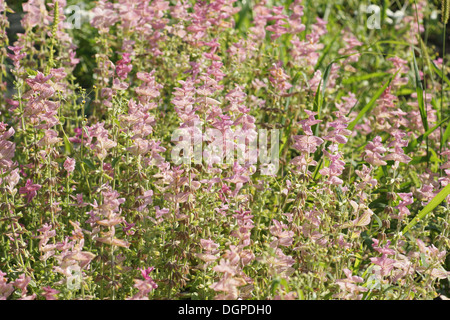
(225, 266)
(102, 143)
(146, 200)
(144, 286)
(373, 152)
(208, 245)
(50, 138)
(366, 177)
(50, 293)
(127, 229)
(277, 28)
(16, 57)
(5, 288)
(349, 286)
(69, 165)
(431, 251)
(307, 144)
(124, 66)
(382, 250)
(145, 273)
(397, 154)
(338, 134)
(30, 190)
(161, 212)
(406, 200)
(104, 16)
(385, 264)
(307, 123)
(336, 166)
(119, 85)
(22, 283)
(7, 149)
(279, 78)
(279, 230)
(77, 138)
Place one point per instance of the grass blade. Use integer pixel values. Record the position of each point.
(446, 135)
(419, 90)
(428, 208)
(371, 103)
(317, 107)
(325, 51)
(439, 73)
(364, 77)
(320, 99)
(419, 139)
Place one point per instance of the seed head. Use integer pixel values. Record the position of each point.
(445, 8)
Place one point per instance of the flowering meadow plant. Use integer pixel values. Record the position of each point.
(224, 149)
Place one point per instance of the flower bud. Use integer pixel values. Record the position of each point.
(388, 210)
(391, 196)
(381, 237)
(302, 195)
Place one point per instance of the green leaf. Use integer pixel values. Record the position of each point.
(107, 177)
(380, 223)
(339, 193)
(67, 145)
(364, 77)
(243, 17)
(318, 167)
(378, 203)
(317, 107)
(429, 207)
(274, 285)
(117, 123)
(419, 139)
(31, 72)
(326, 75)
(434, 104)
(114, 162)
(325, 51)
(432, 156)
(319, 100)
(295, 79)
(439, 73)
(404, 92)
(301, 294)
(399, 43)
(357, 262)
(89, 164)
(415, 178)
(446, 135)
(384, 12)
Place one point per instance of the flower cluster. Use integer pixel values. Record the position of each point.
(136, 163)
